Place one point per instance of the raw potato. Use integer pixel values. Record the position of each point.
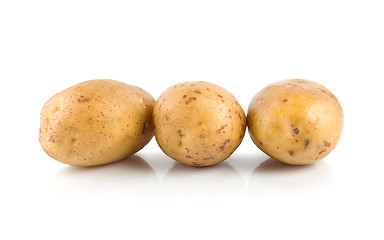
(198, 123)
(295, 121)
(96, 122)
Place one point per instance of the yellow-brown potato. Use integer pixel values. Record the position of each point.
(198, 123)
(295, 121)
(96, 122)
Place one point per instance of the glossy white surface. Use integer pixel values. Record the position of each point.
(242, 46)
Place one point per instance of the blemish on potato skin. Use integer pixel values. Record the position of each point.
(190, 100)
(84, 99)
(180, 133)
(145, 128)
(327, 144)
(197, 91)
(184, 96)
(285, 100)
(223, 146)
(306, 142)
(218, 131)
(322, 151)
(291, 153)
(187, 156)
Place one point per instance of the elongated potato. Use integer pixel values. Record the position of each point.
(96, 122)
(198, 123)
(295, 121)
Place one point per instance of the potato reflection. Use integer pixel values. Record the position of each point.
(214, 180)
(271, 176)
(129, 176)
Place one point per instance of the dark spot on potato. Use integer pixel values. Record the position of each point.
(218, 131)
(223, 146)
(296, 140)
(180, 133)
(180, 143)
(184, 96)
(197, 91)
(236, 103)
(326, 143)
(219, 96)
(187, 156)
(190, 100)
(240, 116)
(208, 89)
(291, 153)
(322, 151)
(285, 100)
(213, 145)
(306, 142)
(261, 143)
(145, 128)
(83, 99)
(187, 149)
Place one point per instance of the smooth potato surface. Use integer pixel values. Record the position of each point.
(198, 123)
(96, 122)
(295, 121)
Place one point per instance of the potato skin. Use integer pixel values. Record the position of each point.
(96, 122)
(198, 123)
(295, 121)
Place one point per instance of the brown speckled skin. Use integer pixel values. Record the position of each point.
(295, 121)
(198, 123)
(96, 122)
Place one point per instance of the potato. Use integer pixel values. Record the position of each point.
(96, 122)
(295, 121)
(198, 123)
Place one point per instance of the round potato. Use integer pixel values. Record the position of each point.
(198, 123)
(295, 121)
(96, 122)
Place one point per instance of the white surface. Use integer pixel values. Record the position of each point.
(46, 46)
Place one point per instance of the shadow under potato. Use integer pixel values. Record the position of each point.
(219, 179)
(131, 173)
(272, 165)
(273, 176)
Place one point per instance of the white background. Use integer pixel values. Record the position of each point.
(47, 46)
